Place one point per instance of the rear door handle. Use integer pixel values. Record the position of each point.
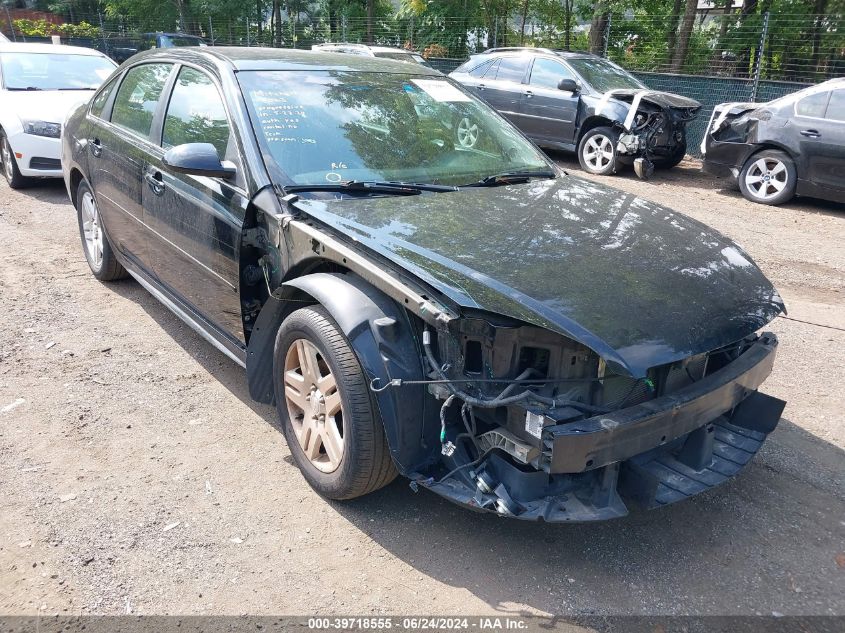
(481, 86)
(528, 94)
(810, 133)
(96, 147)
(154, 180)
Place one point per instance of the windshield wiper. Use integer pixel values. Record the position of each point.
(28, 88)
(510, 178)
(371, 186)
(80, 88)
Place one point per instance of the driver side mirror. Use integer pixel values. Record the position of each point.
(198, 159)
(569, 85)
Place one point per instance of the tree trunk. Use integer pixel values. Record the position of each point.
(277, 22)
(567, 24)
(679, 55)
(524, 18)
(819, 8)
(672, 30)
(598, 25)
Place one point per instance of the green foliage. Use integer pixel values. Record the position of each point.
(43, 28)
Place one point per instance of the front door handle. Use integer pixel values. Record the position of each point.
(810, 133)
(481, 86)
(528, 94)
(96, 147)
(154, 180)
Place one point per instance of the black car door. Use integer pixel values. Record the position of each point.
(504, 91)
(820, 124)
(548, 114)
(196, 221)
(117, 149)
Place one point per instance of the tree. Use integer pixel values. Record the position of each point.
(679, 55)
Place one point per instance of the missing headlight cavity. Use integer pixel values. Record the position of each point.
(536, 358)
(473, 360)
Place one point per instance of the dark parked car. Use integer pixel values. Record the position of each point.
(583, 103)
(510, 337)
(791, 146)
(122, 49)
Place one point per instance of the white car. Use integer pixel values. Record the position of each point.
(39, 85)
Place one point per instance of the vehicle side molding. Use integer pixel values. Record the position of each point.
(385, 342)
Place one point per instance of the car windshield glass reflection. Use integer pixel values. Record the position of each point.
(335, 126)
(603, 75)
(48, 71)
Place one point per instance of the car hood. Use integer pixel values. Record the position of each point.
(44, 105)
(658, 98)
(638, 283)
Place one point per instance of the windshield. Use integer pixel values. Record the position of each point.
(603, 75)
(338, 126)
(51, 71)
(173, 41)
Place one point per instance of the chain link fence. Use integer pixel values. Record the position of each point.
(723, 54)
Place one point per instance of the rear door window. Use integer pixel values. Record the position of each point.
(813, 105)
(99, 102)
(512, 69)
(836, 106)
(138, 96)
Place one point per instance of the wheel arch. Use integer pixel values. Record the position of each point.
(591, 123)
(774, 145)
(75, 179)
(384, 337)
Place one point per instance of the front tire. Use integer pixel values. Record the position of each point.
(324, 404)
(673, 159)
(597, 151)
(95, 242)
(9, 165)
(768, 177)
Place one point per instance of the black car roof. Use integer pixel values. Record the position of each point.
(248, 58)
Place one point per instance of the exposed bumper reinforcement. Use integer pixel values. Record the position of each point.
(619, 435)
(646, 456)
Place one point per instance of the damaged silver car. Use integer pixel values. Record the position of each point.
(582, 103)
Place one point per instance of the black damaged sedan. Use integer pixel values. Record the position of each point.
(508, 336)
(791, 146)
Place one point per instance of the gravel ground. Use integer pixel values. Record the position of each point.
(137, 476)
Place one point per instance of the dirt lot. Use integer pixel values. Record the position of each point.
(138, 477)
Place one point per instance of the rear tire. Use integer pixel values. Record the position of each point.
(95, 242)
(10, 165)
(768, 177)
(327, 413)
(597, 151)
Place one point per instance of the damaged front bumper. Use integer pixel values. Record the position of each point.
(648, 455)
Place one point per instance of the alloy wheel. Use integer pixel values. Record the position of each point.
(766, 178)
(467, 132)
(314, 405)
(598, 152)
(92, 230)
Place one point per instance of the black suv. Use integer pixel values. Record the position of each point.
(513, 338)
(584, 103)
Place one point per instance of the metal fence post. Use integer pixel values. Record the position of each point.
(211, 30)
(607, 34)
(758, 62)
(103, 32)
(9, 18)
